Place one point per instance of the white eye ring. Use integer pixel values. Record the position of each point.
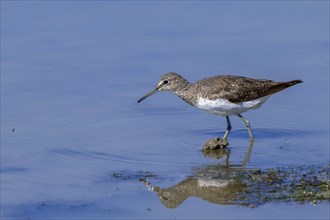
(165, 81)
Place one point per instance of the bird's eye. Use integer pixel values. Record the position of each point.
(165, 81)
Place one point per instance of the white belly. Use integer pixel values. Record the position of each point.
(226, 108)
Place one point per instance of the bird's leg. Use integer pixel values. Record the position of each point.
(228, 128)
(247, 124)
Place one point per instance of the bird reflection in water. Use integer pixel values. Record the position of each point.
(214, 183)
(220, 153)
(219, 189)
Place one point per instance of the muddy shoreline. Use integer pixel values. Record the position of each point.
(223, 185)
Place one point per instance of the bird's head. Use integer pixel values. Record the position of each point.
(168, 82)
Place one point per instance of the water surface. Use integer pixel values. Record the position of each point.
(71, 73)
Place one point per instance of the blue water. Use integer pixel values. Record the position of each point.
(72, 72)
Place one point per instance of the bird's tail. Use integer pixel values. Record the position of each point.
(293, 82)
(278, 86)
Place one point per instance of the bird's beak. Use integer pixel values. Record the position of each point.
(150, 93)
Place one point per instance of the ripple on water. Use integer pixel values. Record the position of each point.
(273, 145)
(12, 169)
(242, 133)
(120, 141)
(116, 158)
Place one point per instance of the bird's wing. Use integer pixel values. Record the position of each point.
(238, 89)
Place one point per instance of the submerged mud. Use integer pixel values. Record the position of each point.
(215, 143)
(299, 184)
(224, 185)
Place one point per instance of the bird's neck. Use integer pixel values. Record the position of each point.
(183, 91)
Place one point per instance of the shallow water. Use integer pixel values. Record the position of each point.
(74, 142)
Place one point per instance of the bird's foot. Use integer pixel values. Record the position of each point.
(215, 143)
